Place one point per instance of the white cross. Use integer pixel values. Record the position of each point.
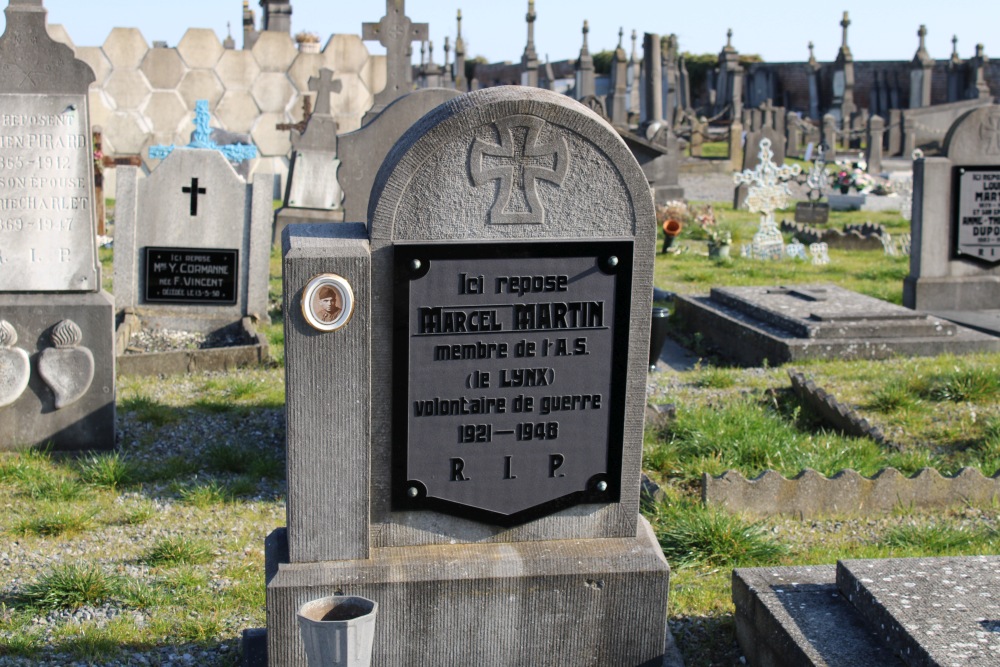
(768, 192)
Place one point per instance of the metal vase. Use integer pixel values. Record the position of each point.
(657, 335)
(338, 631)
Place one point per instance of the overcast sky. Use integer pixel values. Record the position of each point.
(777, 30)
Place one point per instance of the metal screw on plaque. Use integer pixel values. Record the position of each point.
(602, 486)
(415, 265)
(412, 491)
(612, 261)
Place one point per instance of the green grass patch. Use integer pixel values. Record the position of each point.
(54, 519)
(70, 587)
(204, 495)
(149, 410)
(170, 551)
(106, 471)
(940, 539)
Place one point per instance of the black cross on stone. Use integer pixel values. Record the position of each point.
(395, 32)
(194, 191)
(323, 85)
(518, 162)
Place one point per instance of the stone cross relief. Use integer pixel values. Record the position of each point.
(395, 32)
(194, 191)
(518, 162)
(768, 192)
(323, 85)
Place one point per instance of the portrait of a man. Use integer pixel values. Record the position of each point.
(327, 302)
(328, 305)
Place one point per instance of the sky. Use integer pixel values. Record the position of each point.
(777, 30)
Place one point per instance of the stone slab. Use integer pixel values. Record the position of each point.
(527, 603)
(795, 616)
(932, 611)
(987, 320)
(33, 419)
(749, 332)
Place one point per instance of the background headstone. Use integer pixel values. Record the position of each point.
(457, 177)
(192, 243)
(52, 310)
(955, 256)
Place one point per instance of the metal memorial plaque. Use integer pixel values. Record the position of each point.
(509, 377)
(191, 275)
(47, 232)
(812, 213)
(977, 213)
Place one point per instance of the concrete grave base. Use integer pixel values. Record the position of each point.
(253, 352)
(893, 611)
(86, 423)
(751, 324)
(560, 602)
(290, 216)
(959, 293)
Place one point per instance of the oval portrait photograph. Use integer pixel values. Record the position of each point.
(327, 302)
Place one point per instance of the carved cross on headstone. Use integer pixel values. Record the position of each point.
(395, 32)
(768, 192)
(194, 191)
(324, 85)
(518, 163)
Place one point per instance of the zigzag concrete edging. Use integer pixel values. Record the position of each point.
(835, 413)
(810, 494)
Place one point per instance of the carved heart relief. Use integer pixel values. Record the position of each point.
(67, 369)
(15, 368)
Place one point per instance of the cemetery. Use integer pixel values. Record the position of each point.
(313, 356)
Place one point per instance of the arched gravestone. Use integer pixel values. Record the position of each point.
(955, 258)
(483, 404)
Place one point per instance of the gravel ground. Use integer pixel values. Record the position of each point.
(167, 340)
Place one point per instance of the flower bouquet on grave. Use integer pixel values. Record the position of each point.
(852, 176)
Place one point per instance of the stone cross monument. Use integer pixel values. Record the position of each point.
(395, 32)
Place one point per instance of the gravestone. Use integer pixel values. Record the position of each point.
(192, 242)
(396, 32)
(955, 257)
(751, 157)
(57, 385)
(470, 446)
(758, 325)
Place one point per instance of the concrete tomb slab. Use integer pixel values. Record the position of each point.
(781, 324)
(486, 192)
(56, 344)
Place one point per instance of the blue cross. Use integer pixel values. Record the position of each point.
(202, 139)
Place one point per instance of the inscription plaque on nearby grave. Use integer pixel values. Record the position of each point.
(977, 213)
(191, 275)
(509, 377)
(45, 194)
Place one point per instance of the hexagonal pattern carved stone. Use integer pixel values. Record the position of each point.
(237, 111)
(200, 47)
(200, 84)
(94, 56)
(125, 47)
(273, 91)
(163, 67)
(125, 133)
(274, 51)
(127, 88)
(165, 110)
(345, 54)
(271, 142)
(306, 66)
(58, 33)
(374, 74)
(237, 69)
(100, 108)
(353, 98)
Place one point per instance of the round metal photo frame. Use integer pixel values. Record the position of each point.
(327, 302)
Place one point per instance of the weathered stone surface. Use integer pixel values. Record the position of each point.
(782, 324)
(931, 611)
(237, 111)
(363, 151)
(424, 593)
(128, 88)
(200, 47)
(838, 415)
(810, 494)
(166, 110)
(125, 47)
(270, 141)
(273, 92)
(274, 51)
(67, 367)
(795, 616)
(345, 54)
(94, 56)
(163, 68)
(15, 368)
(305, 67)
(237, 69)
(200, 84)
(58, 34)
(125, 133)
